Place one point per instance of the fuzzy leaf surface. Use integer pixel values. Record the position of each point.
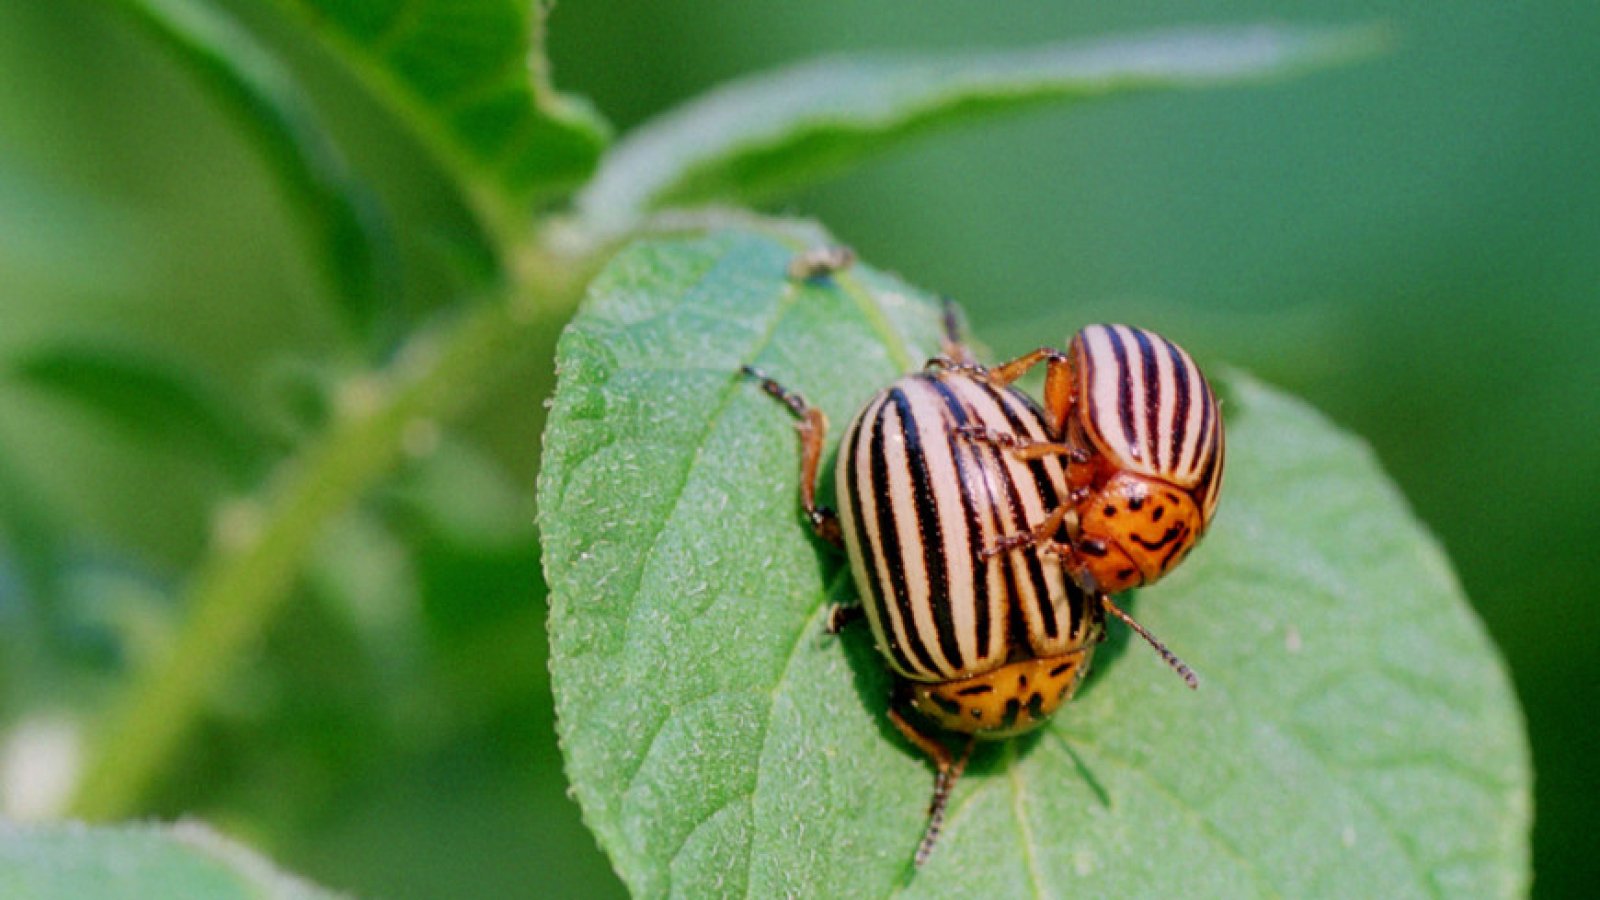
(1354, 733)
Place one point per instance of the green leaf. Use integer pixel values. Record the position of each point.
(1354, 734)
(341, 219)
(151, 396)
(184, 861)
(471, 80)
(778, 131)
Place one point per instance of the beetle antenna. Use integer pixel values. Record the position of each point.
(1178, 665)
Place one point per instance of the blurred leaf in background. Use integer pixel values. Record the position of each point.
(186, 860)
(169, 336)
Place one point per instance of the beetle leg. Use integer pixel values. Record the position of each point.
(813, 427)
(1059, 386)
(1042, 449)
(841, 615)
(939, 753)
(1043, 534)
(1025, 448)
(1007, 372)
(949, 769)
(1002, 440)
(1178, 665)
(942, 786)
(955, 349)
(1009, 543)
(946, 363)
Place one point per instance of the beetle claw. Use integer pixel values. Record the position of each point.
(944, 363)
(840, 615)
(1007, 544)
(982, 435)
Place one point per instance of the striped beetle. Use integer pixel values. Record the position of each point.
(954, 489)
(1141, 427)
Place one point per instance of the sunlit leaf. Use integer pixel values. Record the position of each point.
(1354, 735)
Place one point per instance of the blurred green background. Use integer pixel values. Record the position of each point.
(1413, 244)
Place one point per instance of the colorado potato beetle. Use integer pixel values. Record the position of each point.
(938, 474)
(1142, 433)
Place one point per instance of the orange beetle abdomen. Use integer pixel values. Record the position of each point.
(1007, 701)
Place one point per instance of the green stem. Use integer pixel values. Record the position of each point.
(243, 584)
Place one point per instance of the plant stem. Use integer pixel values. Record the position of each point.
(261, 545)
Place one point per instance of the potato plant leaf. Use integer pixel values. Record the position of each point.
(188, 860)
(1354, 734)
(785, 129)
(150, 394)
(342, 222)
(470, 79)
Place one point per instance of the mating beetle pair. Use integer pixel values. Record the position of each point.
(985, 533)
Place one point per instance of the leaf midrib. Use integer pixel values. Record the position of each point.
(809, 627)
(1024, 830)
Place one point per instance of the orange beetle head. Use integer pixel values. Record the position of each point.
(1134, 530)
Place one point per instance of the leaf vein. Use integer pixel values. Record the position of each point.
(397, 29)
(867, 300)
(1029, 852)
(807, 628)
(1197, 818)
(724, 401)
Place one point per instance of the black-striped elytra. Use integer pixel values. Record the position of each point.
(1145, 431)
(961, 511)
